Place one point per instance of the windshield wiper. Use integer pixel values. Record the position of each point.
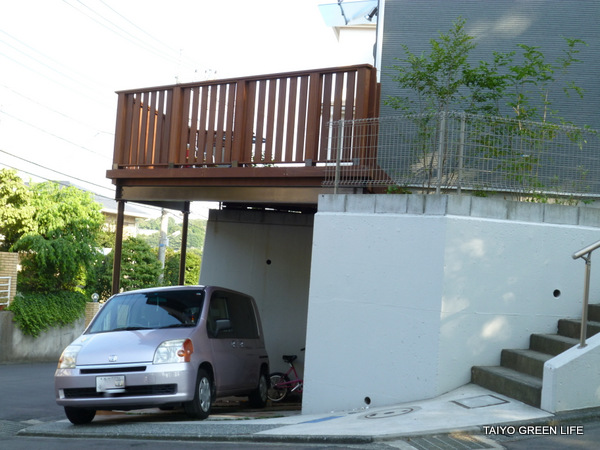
(130, 328)
(179, 325)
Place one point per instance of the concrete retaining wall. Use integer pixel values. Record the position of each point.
(571, 379)
(407, 292)
(17, 347)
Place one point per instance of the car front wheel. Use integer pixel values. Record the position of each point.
(199, 407)
(79, 416)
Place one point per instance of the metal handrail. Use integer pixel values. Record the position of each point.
(585, 254)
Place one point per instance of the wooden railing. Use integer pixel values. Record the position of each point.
(254, 121)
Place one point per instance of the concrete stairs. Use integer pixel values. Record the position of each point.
(520, 372)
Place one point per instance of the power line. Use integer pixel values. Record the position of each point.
(70, 88)
(52, 170)
(55, 111)
(53, 135)
(119, 31)
(55, 62)
(151, 36)
(63, 183)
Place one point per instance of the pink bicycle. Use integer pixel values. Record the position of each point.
(281, 384)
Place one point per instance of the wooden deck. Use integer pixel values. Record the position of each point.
(253, 140)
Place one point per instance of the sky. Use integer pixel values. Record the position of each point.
(61, 62)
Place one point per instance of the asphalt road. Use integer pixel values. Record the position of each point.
(27, 398)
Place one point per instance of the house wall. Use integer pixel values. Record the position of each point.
(267, 255)
(407, 292)
(500, 26)
(8, 268)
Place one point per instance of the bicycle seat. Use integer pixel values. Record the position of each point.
(289, 358)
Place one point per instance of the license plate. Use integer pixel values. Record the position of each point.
(107, 384)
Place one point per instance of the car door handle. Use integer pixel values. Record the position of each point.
(241, 344)
(233, 344)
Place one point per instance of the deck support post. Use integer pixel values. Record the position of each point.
(186, 217)
(116, 275)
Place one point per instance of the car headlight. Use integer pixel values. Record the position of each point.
(174, 351)
(68, 359)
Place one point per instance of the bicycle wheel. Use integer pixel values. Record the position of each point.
(277, 391)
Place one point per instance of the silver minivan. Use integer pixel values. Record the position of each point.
(165, 347)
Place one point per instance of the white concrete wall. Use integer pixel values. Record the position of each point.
(48, 346)
(267, 255)
(408, 292)
(572, 379)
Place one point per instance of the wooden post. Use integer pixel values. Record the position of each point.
(186, 218)
(116, 275)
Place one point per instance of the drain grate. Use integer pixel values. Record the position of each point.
(449, 442)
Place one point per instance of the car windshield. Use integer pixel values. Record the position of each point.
(150, 310)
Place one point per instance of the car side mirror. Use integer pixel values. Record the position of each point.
(222, 325)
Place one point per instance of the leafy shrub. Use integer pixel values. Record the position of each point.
(36, 312)
(140, 268)
(193, 261)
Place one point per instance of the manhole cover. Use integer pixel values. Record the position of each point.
(480, 401)
(391, 412)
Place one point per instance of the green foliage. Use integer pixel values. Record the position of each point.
(140, 268)
(16, 211)
(522, 82)
(37, 312)
(61, 247)
(195, 239)
(444, 79)
(395, 189)
(193, 261)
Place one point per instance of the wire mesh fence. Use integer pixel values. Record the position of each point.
(455, 151)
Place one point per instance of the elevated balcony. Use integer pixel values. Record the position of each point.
(255, 140)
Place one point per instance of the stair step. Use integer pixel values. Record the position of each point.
(554, 344)
(572, 328)
(509, 382)
(529, 362)
(594, 312)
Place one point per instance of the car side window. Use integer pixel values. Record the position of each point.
(218, 314)
(231, 316)
(243, 317)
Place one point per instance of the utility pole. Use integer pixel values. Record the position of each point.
(162, 243)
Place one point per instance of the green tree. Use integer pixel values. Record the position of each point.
(62, 244)
(444, 79)
(193, 261)
(16, 211)
(195, 239)
(140, 268)
(521, 82)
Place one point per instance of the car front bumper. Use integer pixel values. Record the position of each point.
(145, 385)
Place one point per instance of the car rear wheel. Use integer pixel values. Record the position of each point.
(199, 407)
(79, 416)
(258, 397)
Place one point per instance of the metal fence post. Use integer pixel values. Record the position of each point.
(338, 156)
(438, 188)
(461, 147)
